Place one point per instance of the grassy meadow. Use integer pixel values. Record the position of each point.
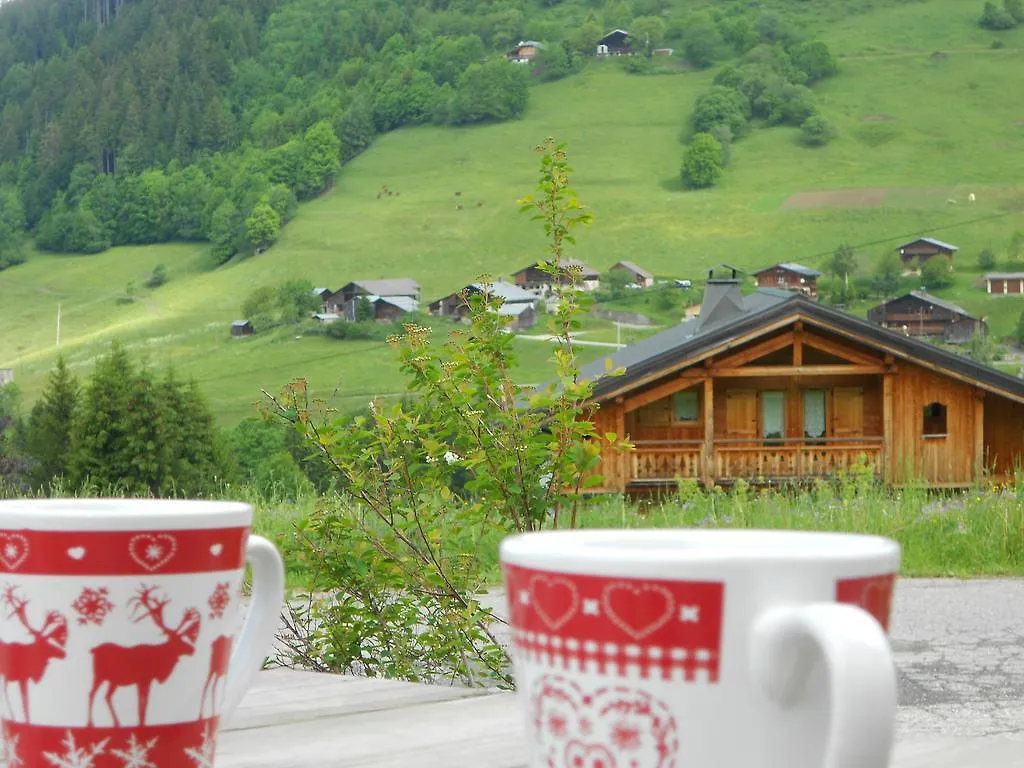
(925, 112)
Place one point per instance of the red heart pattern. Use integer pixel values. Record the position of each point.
(638, 609)
(613, 727)
(13, 550)
(152, 550)
(555, 599)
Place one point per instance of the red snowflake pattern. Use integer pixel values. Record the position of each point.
(557, 725)
(625, 736)
(219, 600)
(92, 606)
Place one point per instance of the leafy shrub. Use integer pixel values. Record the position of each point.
(720, 106)
(996, 18)
(986, 259)
(935, 273)
(702, 162)
(157, 277)
(816, 131)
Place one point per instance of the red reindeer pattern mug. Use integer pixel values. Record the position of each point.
(118, 628)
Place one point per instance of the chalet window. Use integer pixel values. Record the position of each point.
(686, 406)
(814, 413)
(934, 420)
(773, 414)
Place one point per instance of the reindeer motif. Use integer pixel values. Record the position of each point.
(220, 657)
(146, 663)
(25, 663)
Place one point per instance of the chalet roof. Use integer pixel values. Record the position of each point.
(927, 297)
(510, 292)
(398, 286)
(636, 270)
(931, 241)
(1004, 275)
(614, 32)
(528, 44)
(240, 323)
(513, 310)
(322, 291)
(789, 266)
(588, 272)
(405, 303)
(684, 342)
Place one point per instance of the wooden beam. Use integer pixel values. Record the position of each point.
(800, 370)
(655, 393)
(798, 344)
(759, 350)
(979, 435)
(707, 465)
(887, 458)
(839, 350)
(621, 460)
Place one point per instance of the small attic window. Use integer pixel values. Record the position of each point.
(934, 421)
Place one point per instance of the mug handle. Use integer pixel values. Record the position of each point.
(860, 668)
(261, 622)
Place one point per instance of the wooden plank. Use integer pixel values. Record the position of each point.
(485, 730)
(655, 393)
(839, 350)
(800, 370)
(798, 344)
(979, 434)
(760, 350)
(888, 460)
(707, 470)
(281, 696)
(621, 457)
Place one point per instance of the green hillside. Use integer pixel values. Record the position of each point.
(926, 112)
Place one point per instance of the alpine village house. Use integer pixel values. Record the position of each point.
(773, 387)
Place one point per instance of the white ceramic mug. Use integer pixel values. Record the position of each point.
(703, 648)
(117, 628)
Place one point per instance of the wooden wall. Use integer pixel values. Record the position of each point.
(1004, 435)
(609, 418)
(941, 461)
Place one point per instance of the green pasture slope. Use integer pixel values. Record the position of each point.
(916, 131)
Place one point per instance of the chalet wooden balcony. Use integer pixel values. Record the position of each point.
(659, 461)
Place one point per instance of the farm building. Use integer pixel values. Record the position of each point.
(638, 275)
(1005, 283)
(774, 387)
(386, 309)
(402, 286)
(525, 52)
(533, 279)
(242, 328)
(794, 277)
(615, 43)
(523, 316)
(920, 314)
(920, 250)
(6, 376)
(454, 305)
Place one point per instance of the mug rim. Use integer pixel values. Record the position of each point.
(596, 548)
(108, 513)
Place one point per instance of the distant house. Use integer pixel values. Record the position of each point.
(615, 43)
(533, 279)
(454, 305)
(242, 328)
(920, 250)
(523, 315)
(639, 275)
(525, 52)
(386, 309)
(794, 277)
(402, 286)
(1005, 283)
(324, 317)
(920, 314)
(6, 376)
(322, 294)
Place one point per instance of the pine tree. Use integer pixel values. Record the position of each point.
(49, 426)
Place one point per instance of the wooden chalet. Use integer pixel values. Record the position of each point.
(920, 314)
(1005, 283)
(920, 250)
(532, 278)
(454, 304)
(639, 276)
(403, 286)
(242, 328)
(773, 387)
(386, 309)
(525, 52)
(792, 277)
(615, 43)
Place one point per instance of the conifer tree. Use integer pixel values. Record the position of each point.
(49, 425)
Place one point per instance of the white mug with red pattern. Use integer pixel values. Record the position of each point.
(703, 648)
(118, 622)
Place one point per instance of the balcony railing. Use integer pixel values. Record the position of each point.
(732, 459)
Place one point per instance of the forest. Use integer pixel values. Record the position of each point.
(142, 121)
